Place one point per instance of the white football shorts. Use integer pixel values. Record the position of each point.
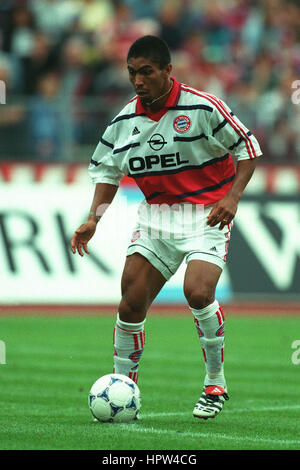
(166, 235)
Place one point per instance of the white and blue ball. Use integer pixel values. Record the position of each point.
(115, 398)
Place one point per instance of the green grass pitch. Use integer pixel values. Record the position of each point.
(51, 363)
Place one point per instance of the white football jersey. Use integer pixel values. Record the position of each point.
(183, 153)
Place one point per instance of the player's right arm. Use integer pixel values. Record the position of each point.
(103, 197)
(105, 173)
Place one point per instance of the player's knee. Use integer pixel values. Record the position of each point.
(198, 297)
(131, 311)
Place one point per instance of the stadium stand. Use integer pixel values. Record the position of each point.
(62, 63)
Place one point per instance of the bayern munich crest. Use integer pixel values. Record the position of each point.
(135, 236)
(182, 124)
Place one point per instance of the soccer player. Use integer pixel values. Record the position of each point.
(178, 143)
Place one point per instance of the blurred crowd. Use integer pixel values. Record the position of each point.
(63, 65)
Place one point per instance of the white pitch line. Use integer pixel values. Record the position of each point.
(236, 410)
(213, 435)
(217, 435)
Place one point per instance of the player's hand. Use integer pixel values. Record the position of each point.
(81, 237)
(222, 212)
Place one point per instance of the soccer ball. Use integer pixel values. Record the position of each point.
(114, 398)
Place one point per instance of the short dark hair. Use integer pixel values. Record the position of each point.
(151, 47)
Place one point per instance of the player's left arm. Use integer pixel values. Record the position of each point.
(227, 133)
(224, 210)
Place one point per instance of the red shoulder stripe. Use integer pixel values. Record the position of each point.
(212, 99)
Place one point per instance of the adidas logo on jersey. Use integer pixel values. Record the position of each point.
(135, 131)
(213, 249)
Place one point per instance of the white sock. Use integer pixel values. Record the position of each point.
(129, 340)
(210, 323)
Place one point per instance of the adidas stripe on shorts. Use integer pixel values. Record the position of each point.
(167, 235)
